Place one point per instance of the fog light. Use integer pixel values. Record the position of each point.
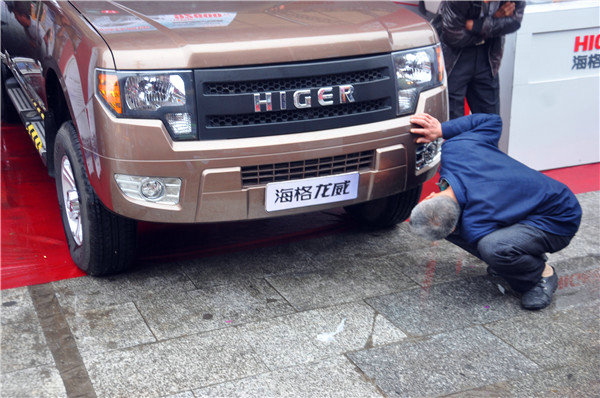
(164, 190)
(152, 189)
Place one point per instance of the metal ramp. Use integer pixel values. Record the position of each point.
(31, 117)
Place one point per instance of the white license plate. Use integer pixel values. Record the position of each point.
(311, 191)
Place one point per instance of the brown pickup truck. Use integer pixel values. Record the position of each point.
(192, 112)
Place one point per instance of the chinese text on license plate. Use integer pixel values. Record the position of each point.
(311, 191)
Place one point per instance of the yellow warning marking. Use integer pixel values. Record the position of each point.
(35, 137)
(39, 109)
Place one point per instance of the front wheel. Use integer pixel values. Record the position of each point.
(100, 242)
(386, 212)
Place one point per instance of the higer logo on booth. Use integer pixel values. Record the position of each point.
(587, 43)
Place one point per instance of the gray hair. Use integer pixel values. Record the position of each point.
(435, 218)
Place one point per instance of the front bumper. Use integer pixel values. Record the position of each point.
(212, 188)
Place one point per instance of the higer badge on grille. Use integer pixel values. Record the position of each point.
(325, 96)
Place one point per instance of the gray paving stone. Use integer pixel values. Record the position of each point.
(586, 241)
(589, 200)
(23, 346)
(268, 350)
(333, 377)
(363, 244)
(313, 335)
(384, 332)
(404, 240)
(172, 366)
(186, 394)
(108, 328)
(554, 339)
(571, 381)
(590, 225)
(340, 281)
(39, 382)
(590, 206)
(441, 262)
(446, 306)
(85, 293)
(578, 282)
(212, 307)
(201, 240)
(17, 306)
(580, 246)
(443, 364)
(248, 264)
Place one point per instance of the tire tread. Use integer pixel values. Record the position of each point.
(112, 237)
(396, 209)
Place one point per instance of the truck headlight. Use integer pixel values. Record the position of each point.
(427, 154)
(152, 92)
(417, 70)
(165, 95)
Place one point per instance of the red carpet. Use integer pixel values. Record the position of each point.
(34, 250)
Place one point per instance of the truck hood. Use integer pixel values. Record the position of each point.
(176, 35)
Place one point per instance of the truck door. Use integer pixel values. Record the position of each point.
(20, 42)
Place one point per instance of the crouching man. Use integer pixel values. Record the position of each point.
(494, 207)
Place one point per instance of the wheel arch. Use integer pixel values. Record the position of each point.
(59, 112)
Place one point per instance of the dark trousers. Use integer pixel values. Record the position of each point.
(516, 253)
(472, 78)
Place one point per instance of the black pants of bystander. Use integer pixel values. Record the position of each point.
(472, 78)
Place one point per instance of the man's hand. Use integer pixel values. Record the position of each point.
(431, 128)
(469, 24)
(506, 10)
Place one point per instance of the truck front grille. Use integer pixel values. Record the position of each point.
(227, 99)
(287, 171)
(294, 83)
(295, 115)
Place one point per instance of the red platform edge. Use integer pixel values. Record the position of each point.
(33, 249)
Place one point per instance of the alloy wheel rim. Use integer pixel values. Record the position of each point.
(71, 200)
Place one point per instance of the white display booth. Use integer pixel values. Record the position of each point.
(550, 86)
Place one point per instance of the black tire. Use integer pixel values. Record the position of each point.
(385, 212)
(107, 241)
(8, 111)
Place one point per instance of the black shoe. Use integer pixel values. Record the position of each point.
(492, 273)
(500, 282)
(540, 296)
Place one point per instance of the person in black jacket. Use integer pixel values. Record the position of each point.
(472, 35)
